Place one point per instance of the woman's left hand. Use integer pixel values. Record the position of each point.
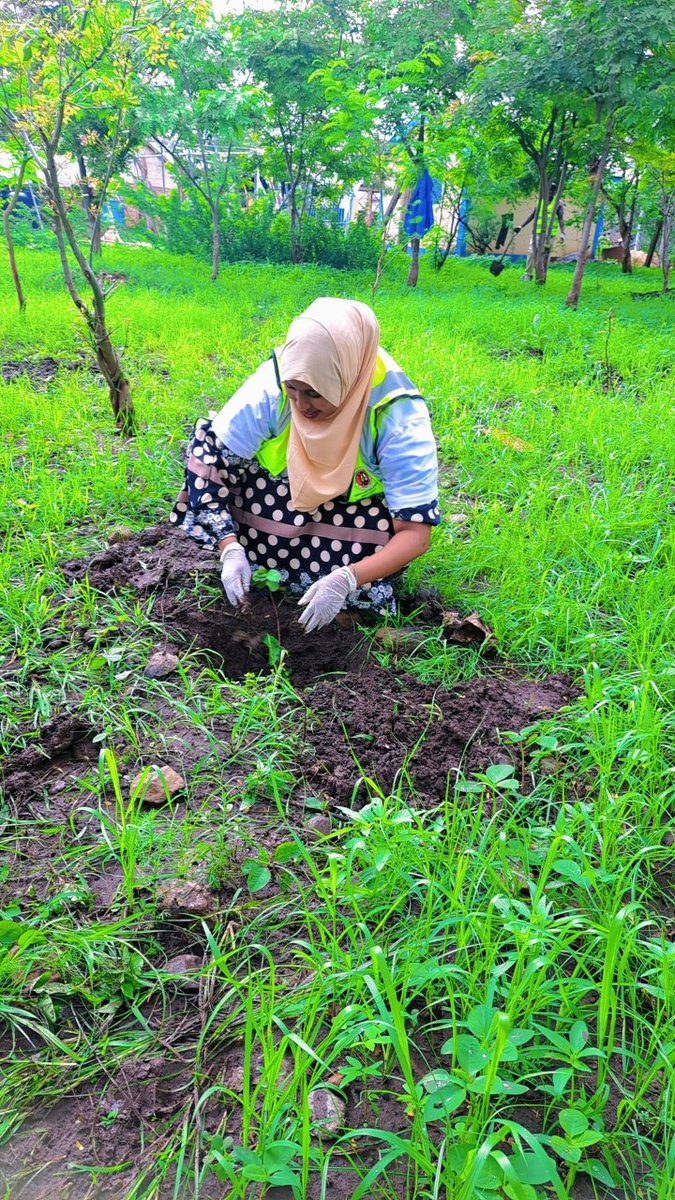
(326, 598)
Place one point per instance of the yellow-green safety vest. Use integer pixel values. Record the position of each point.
(545, 217)
(389, 384)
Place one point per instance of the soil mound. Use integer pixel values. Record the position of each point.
(366, 721)
(378, 724)
(157, 557)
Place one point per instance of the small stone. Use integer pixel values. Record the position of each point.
(548, 765)
(185, 896)
(327, 1111)
(399, 639)
(319, 825)
(121, 533)
(185, 966)
(161, 664)
(159, 782)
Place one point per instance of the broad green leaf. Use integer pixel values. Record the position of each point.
(443, 1102)
(573, 1121)
(480, 1020)
(490, 1174)
(568, 869)
(10, 932)
(560, 1080)
(565, 1149)
(279, 1154)
(471, 1057)
(256, 875)
(435, 1080)
(579, 1035)
(499, 772)
(532, 1168)
(590, 1138)
(286, 852)
(598, 1170)
(500, 1087)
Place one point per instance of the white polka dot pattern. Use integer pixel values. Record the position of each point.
(239, 491)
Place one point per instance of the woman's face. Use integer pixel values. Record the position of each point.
(308, 402)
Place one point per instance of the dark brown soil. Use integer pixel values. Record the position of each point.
(42, 371)
(528, 351)
(164, 561)
(374, 724)
(362, 721)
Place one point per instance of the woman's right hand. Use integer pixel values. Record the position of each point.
(236, 573)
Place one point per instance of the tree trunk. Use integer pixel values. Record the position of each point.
(88, 201)
(539, 230)
(9, 209)
(215, 257)
(391, 209)
(119, 388)
(544, 244)
(575, 291)
(654, 242)
(665, 242)
(626, 259)
(296, 247)
(627, 231)
(414, 272)
(107, 357)
(541, 263)
(96, 235)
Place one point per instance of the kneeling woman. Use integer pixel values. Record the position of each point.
(322, 465)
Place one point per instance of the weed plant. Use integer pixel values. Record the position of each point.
(490, 984)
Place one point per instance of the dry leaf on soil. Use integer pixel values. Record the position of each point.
(466, 631)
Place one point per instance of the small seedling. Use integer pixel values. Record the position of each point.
(270, 579)
(275, 650)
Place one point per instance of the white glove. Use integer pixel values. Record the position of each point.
(325, 598)
(236, 573)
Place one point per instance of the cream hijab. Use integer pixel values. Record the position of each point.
(332, 347)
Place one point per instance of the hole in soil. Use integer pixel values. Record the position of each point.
(162, 558)
(249, 640)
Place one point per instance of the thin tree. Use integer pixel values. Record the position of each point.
(622, 66)
(62, 62)
(8, 210)
(198, 111)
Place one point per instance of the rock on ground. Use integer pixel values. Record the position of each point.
(162, 782)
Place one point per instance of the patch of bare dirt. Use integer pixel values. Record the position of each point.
(374, 724)
(42, 371)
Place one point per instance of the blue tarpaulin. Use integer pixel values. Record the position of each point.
(419, 216)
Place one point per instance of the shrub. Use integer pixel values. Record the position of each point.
(260, 233)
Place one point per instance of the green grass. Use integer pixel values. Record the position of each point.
(505, 983)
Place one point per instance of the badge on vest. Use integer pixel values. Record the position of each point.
(362, 479)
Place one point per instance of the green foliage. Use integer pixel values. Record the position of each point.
(258, 233)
